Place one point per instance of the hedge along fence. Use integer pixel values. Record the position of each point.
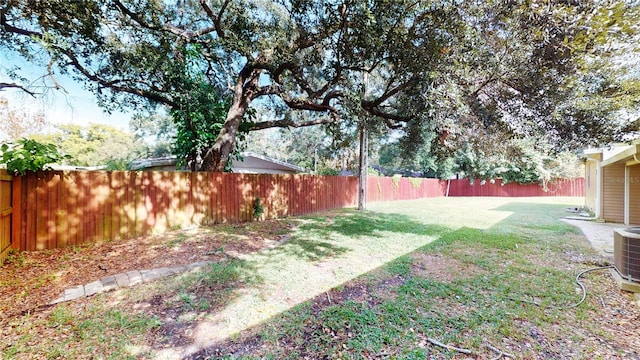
(58, 209)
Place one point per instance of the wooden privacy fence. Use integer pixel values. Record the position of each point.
(6, 213)
(396, 188)
(48, 210)
(70, 208)
(561, 187)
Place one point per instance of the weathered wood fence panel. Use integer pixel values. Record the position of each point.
(563, 187)
(397, 188)
(56, 209)
(6, 213)
(72, 208)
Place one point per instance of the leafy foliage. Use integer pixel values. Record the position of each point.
(258, 210)
(446, 73)
(526, 162)
(94, 145)
(156, 130)
(29, 155)
(16, 123)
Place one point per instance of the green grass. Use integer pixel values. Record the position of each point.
(368, 284)
(72, 335)
(519, 257)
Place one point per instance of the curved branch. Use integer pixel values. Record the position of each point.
(75, 63)
(16, 86)
(304, 104)
(287, 123)
(389, 93)
(185, 34)
(150, 95)
(216, 19)
(393, 121)
(332, 95)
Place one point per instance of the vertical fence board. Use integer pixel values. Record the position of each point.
(17, 205)
(71, 208)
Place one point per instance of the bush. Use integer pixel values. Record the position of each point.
(29, 155)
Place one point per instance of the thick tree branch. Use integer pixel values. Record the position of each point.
(150, 95)
(305, 104)
(330, 96)
(188, 35)
(216, 19)
(389, 93)
(287, 123)
(135, 17)
(391, 120)
(268, 90)
(16, 86)
(75, 63)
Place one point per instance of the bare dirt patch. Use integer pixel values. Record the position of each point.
(441, 267)
(31, 280)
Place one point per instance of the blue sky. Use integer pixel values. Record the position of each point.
(77, 106)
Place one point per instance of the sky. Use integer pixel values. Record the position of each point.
(73, 105)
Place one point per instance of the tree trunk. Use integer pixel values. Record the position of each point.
(364, 165)
(217, 157)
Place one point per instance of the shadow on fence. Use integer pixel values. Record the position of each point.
(65, 208)
(60, 209)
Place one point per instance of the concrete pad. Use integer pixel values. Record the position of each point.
(625, 284)
(599, 234)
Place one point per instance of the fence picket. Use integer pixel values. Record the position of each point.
(71, 208)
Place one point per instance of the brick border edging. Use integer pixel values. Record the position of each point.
(122, 280)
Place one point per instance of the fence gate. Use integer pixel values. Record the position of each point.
(5, 214)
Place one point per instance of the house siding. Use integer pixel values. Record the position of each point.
(591, 185)
(634, 194)
(613, 179)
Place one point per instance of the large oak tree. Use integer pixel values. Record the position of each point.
(446, 66)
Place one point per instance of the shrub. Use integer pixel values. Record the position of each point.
(29, 155)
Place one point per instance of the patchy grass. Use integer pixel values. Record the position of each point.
(502, 269)
(357, 285)
(66, 333)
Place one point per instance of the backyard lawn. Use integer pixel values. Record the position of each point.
(435, 278)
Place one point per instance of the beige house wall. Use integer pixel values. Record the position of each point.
(591, 185)
(613, 178)
(634, 194)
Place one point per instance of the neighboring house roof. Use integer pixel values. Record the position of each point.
(71, 167)
(166, 163)
(251, 163)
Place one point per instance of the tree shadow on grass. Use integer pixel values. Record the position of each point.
(371, 223)
(320, 237)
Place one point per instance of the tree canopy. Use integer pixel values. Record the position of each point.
(94, 145)
(459, 70)
(17, 123)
